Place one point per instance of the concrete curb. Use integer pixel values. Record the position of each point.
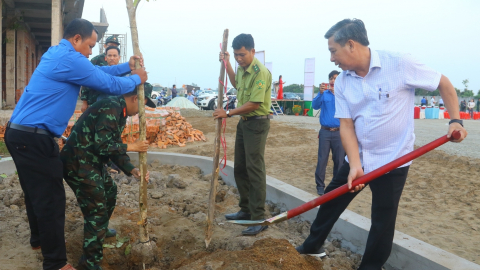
(408, 252)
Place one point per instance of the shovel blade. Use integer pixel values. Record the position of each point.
(249, 222)
(272, 220)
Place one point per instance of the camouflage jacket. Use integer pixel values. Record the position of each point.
(88, 94)
(96, 138)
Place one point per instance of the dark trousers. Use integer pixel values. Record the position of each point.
(249, 170)
(386, 192)
(328, 140)
(40, 172)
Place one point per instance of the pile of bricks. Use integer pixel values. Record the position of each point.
(165, 126)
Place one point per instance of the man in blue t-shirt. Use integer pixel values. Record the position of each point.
(329, 135)
(423, 102)
(42, 114)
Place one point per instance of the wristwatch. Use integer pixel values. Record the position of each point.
(228, 114)
(456, 121)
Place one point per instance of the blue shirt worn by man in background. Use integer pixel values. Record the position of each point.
(50, 98)
(329, 135)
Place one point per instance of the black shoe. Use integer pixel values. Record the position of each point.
(238, 216)
(320, 191)
(319, 253)
(254, 230)
(110, 233)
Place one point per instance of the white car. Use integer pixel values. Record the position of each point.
(206, 100)
(155, 94)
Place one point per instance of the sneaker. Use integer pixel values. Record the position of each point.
(319, 253)
(320, 191)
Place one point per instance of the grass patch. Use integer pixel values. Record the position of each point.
(3, 150)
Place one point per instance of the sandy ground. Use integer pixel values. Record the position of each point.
(178, 199)
(440, 203)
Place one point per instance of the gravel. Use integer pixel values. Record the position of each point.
(426, 130)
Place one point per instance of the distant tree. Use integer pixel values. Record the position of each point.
(466, 92)
(294, 88)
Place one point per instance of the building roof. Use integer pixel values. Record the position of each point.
(37, 16)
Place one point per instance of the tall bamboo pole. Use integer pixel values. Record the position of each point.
(144, 237)
(216, 146)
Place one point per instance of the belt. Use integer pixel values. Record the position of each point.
(257, 117)
(331, 129)
(29, 129)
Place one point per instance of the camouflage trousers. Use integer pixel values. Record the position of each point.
(97, 204)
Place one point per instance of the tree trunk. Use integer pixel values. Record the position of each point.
(216, 145)
(144, 237)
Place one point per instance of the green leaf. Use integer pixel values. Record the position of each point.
(108, 246)
(128, 249)
(3, 175)
(119, 244)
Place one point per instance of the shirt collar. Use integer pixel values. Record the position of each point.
(250, 68)
(374, 62)
(68, 44)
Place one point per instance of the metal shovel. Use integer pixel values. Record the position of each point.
(344, 189)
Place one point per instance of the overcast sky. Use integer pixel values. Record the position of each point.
(180, 39)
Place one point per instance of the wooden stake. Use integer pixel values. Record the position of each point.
(216, 146)
(144, 237)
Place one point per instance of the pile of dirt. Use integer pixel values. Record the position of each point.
(178, 198)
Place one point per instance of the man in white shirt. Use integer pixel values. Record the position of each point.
(432, 101)
(440, 102)
(374, 99)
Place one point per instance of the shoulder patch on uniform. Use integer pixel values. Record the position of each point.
(256, 69)
(260, 84)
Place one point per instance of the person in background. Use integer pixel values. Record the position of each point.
(471, 105)
(478, 105)
(440, 102)
(463, 106)
(36, 121)
(191, 97)
(432, 101)
(174, 91)
(89, 96)
(280, 87)
(375, 130)
(329, 134)
(423, 102)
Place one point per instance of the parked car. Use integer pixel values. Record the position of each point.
(206, 99)
(155, 94)
(300, 95)
(291, 96)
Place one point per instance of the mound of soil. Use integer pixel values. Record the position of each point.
(178, 198)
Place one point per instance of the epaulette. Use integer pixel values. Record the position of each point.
(256, 69)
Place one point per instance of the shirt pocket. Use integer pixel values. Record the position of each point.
(386, 99)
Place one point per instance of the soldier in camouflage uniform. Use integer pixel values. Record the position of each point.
(89, 96)
(96, 138)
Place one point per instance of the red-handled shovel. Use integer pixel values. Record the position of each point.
(344, 189)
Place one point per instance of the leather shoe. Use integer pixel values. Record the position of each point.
(319, 253)
(254, 230)
(238, 216)
(110, 233)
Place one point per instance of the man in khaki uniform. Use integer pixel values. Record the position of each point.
(253, 82)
